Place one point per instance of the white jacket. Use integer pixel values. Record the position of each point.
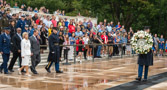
(25, 47)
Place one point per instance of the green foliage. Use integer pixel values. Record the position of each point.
(131, 13)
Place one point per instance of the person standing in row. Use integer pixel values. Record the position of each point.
(35, 49)
(16, 50)
(5, 49)
(54, 51)
(25, 53)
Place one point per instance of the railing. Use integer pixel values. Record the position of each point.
(93, 48)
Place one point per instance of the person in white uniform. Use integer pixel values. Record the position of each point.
(25, 53)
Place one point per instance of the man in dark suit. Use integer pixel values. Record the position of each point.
(5, 49)
(16, 49)
(54, 51)
(35, 49)
(144, 60)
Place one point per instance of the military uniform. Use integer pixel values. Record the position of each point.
(5, 48)
(4, 22)
(54, 53)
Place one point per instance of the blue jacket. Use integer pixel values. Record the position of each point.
(4, 44)
(21, 24)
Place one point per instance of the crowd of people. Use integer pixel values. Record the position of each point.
(25, 34)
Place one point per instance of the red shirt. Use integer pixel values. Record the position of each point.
(71, 28)
(77, 42)
(54, 22)
(37, 21)
(104, 38)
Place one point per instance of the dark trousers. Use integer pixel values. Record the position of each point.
(140, 71)
(13, 60)
(123, 51)
(66, 54)
(61, 47)
(85, 52)
(35, 60)
(5, 62)
(95, 52)
(50, 64)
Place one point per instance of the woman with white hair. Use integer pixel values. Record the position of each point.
(25, 53)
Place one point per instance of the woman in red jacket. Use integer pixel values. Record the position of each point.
(71, 29)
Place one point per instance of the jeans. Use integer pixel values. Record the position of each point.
(140, 71)
(99, 50)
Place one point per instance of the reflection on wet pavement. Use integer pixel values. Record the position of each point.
(86, 76)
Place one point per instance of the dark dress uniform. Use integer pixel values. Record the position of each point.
(5, 48)
(144, 60)
(54, 53)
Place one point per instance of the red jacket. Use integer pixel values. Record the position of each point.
(71, 28)
(77, 42)
(103, 38)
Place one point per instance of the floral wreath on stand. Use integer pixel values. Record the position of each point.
(141, 42)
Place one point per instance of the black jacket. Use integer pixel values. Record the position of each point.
(13, 31)
(54, 50)
(146, 59)
(16, 43)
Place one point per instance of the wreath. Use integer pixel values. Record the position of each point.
(141, 42)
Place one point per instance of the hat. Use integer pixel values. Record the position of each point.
(27, 15)
(55, 28)
(26, 25)
(146, 27)
(23, 15)
(6, 28)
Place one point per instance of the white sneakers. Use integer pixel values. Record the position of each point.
(19, 71)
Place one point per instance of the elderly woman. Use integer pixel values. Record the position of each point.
(25, 53)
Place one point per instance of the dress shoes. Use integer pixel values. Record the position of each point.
(47, 70)
(138, 79)
(6, 73)
(144, 80)
(59, 71)
(11, 70)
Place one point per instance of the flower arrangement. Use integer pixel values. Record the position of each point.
(142, 42)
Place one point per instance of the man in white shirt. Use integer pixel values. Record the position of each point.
(47, 23)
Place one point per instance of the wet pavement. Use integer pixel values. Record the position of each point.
(98, 75)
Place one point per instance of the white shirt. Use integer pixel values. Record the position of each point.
(85, 40)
